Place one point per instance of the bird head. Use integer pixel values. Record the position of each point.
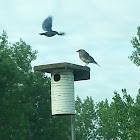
(81, 50)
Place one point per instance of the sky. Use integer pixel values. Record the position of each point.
(103, 28)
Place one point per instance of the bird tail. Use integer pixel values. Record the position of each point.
(96, 63)
(61, 33)
(41, 33)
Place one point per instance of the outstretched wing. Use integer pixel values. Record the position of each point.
(47, 24)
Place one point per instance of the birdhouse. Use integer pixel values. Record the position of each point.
(63, 76)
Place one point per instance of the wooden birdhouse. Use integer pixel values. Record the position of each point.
(63, 76)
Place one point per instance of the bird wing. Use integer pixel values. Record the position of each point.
(89, 59)
(85, 55)
(47, 24)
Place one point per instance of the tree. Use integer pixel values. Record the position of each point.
(85, 119)
(25, 107)
(135, 129)
(13, 75)
(119, 119)
(135, 57)
(106, 124)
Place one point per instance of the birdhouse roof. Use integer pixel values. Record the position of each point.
(80, 72)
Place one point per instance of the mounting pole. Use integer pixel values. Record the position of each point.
(73, 127)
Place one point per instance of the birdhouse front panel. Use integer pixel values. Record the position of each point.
(62, 92)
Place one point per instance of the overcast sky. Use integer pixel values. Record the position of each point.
(103, 28)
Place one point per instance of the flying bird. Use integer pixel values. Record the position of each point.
(47, 26)
(86, 58)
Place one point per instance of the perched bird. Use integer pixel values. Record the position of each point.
(47, 26)
(86, 58)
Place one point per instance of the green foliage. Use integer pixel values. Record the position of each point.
(119, 119)
(25, 108)
(135, 131)
(104, 114)
(13, 80)
(116, 120)
(85, 119)
(135, 57)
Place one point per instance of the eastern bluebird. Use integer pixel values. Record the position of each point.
(86, 58)
(47, 26)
